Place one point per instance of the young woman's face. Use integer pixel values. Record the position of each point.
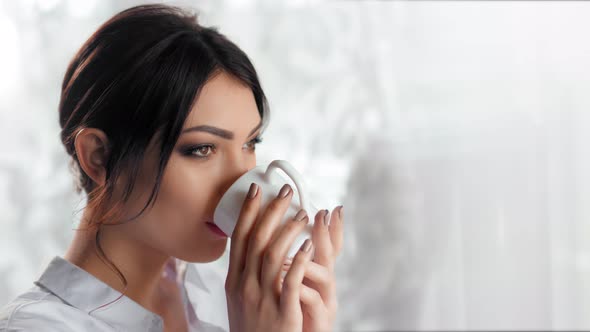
(201, 168)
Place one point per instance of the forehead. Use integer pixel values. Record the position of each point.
(226, 103)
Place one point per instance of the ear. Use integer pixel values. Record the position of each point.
(92, 149)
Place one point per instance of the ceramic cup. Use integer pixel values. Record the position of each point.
(270, 181)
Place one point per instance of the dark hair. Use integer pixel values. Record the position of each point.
(137, 77)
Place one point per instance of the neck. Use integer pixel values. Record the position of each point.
(141, 265)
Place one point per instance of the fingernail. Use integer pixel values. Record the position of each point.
(253, 190)
(327, 218)
(302, 214)
(285, 190)
(306, 245)
(340, 213)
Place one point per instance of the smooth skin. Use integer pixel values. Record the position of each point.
(258, 299)
(175, 227)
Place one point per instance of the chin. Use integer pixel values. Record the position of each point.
(206, 255)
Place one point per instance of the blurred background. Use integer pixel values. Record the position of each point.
(453, 133)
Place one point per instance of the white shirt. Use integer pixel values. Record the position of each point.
(67, 298)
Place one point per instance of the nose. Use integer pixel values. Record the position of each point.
(233, 171)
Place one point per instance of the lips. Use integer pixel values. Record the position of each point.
(215, 229)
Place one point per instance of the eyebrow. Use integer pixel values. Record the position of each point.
(218, 131)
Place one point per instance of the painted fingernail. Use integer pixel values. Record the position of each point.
(253, 190)
(306, 245)
(285, 190)
(326, 218)
(340, 213)
(301, 215)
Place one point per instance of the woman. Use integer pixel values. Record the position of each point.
(160, 116)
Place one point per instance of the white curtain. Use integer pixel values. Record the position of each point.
(453, 132)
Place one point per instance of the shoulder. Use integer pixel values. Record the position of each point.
(37, 310)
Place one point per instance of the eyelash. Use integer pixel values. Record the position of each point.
(189, 151)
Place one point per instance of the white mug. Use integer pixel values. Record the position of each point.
(270, 183)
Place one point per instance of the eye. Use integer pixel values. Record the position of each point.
(255, 141)
(202, 151)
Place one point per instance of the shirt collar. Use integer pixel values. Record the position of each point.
(209, 302)
(82, 290)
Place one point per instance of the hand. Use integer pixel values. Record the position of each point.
(256, 256)
(318, 293)
(170, 305)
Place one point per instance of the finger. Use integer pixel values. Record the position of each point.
(239, 239)
(319, 278)
(313, 304)
(278, 248)
(321, 239)
(322, 280)
(170, 266)
(169, 271)
(264, 228)
(289, 301)
(168, 275)
(336, 230)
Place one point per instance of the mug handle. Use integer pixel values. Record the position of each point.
(293, 174)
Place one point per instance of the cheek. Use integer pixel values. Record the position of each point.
(185, 194)
(177, 222)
